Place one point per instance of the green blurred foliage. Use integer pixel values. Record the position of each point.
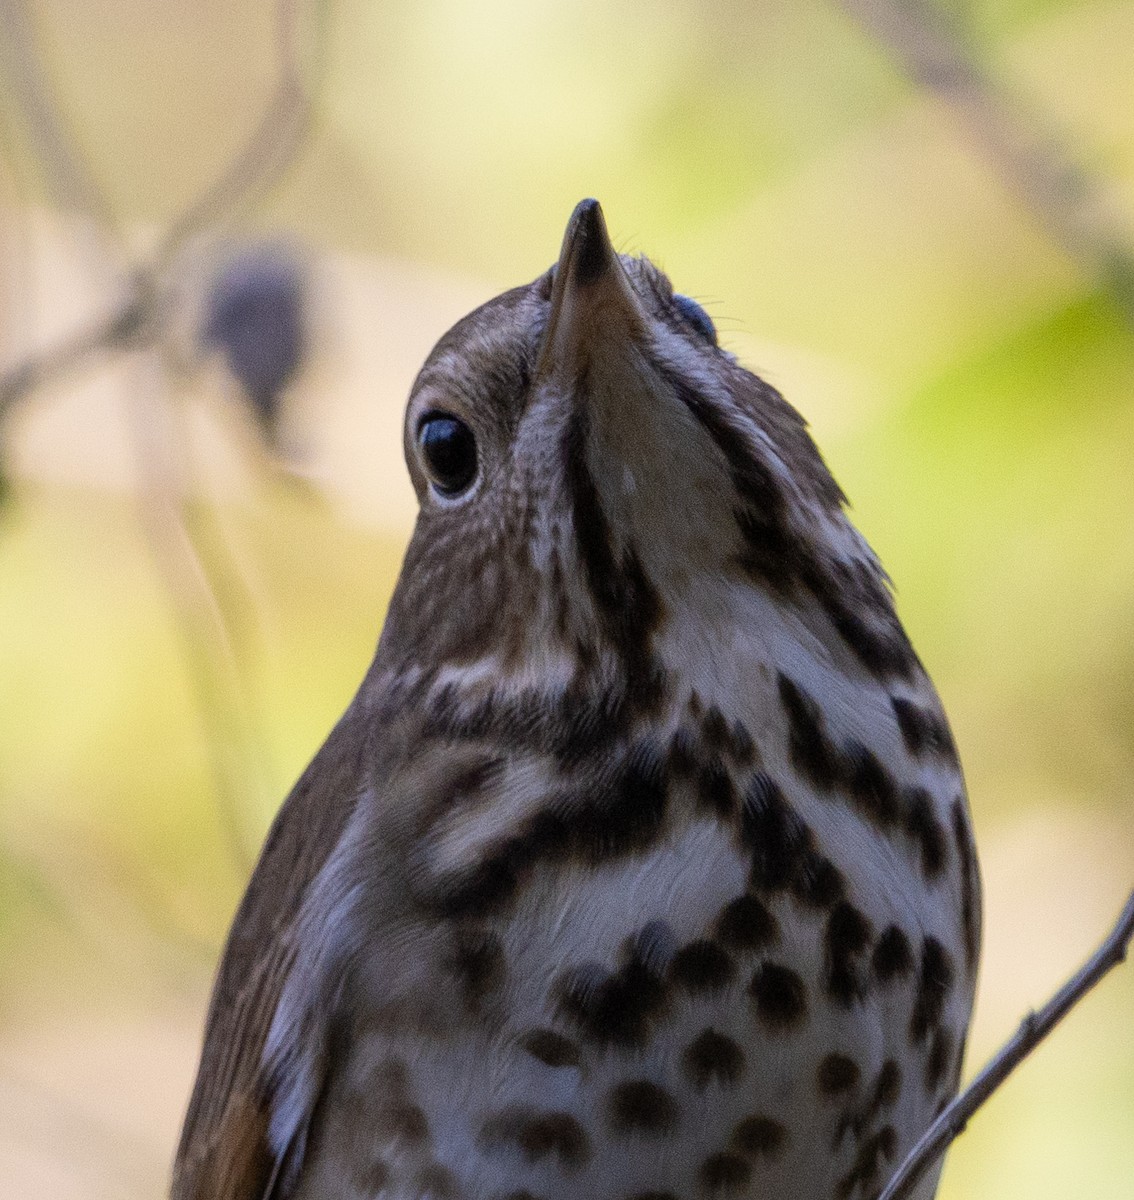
(971, 386)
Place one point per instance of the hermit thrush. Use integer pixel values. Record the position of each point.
(640, 865)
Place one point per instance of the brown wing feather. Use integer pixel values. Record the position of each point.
(224, 1152)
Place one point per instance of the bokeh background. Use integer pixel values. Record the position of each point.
(914, 219)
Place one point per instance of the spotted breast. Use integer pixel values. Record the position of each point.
(640, 866)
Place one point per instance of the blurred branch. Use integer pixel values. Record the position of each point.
(139, 322)
(190, 579)
(69, 180)
(127, 327)
(1033, 1029)
(273, 143)
(139, 319)
(15, 267)
(68, 176)
(1030, 159)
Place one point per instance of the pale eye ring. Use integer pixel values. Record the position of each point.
(694, 315)
(448, 453)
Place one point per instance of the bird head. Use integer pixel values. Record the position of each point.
(593, 470)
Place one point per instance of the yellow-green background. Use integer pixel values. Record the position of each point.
(971, 387)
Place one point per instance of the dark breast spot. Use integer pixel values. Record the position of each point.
(470, 783)
(923, 731)
(885, 1142)
(887, 1087)
(557, 1134)
(436, 1180)
(714, 729)
(374, 1177)
(652, 948)
(683, 753)
(934, 982)
(938, 1061)
(721, 740)
(871, 785)
(743, 748)
(611, 1008)
(702, 761)
(865, 1171)
(724, 1174)
(477, 959)
(772, 830)
(970, 883)
(779, 995)
(892, 957)
(580, 990)
(759, 1136)
(923, 826)
(572, 727)
(716, 792)
(783, 848)
(812, 752)
(629, 817)
(860, 609)
(485, 888)
(845, 942)
(403, 1122)
(818, 883)
(538, 1135)
(852, 770)
(551, 1048)
(702, 966)
(746, 924)
(622, 815)
(836, 1075)
(712, 1057)
(640, 1106)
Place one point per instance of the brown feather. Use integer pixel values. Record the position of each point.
(224, 1152)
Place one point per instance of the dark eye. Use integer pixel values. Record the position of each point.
(449, 450)
(696, 316)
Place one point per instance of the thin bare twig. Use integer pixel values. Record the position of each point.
(1031, 159)
(1033, 1029)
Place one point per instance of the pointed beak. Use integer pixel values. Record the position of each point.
(594, 307)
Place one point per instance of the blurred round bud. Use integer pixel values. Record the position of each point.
(254, 314)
